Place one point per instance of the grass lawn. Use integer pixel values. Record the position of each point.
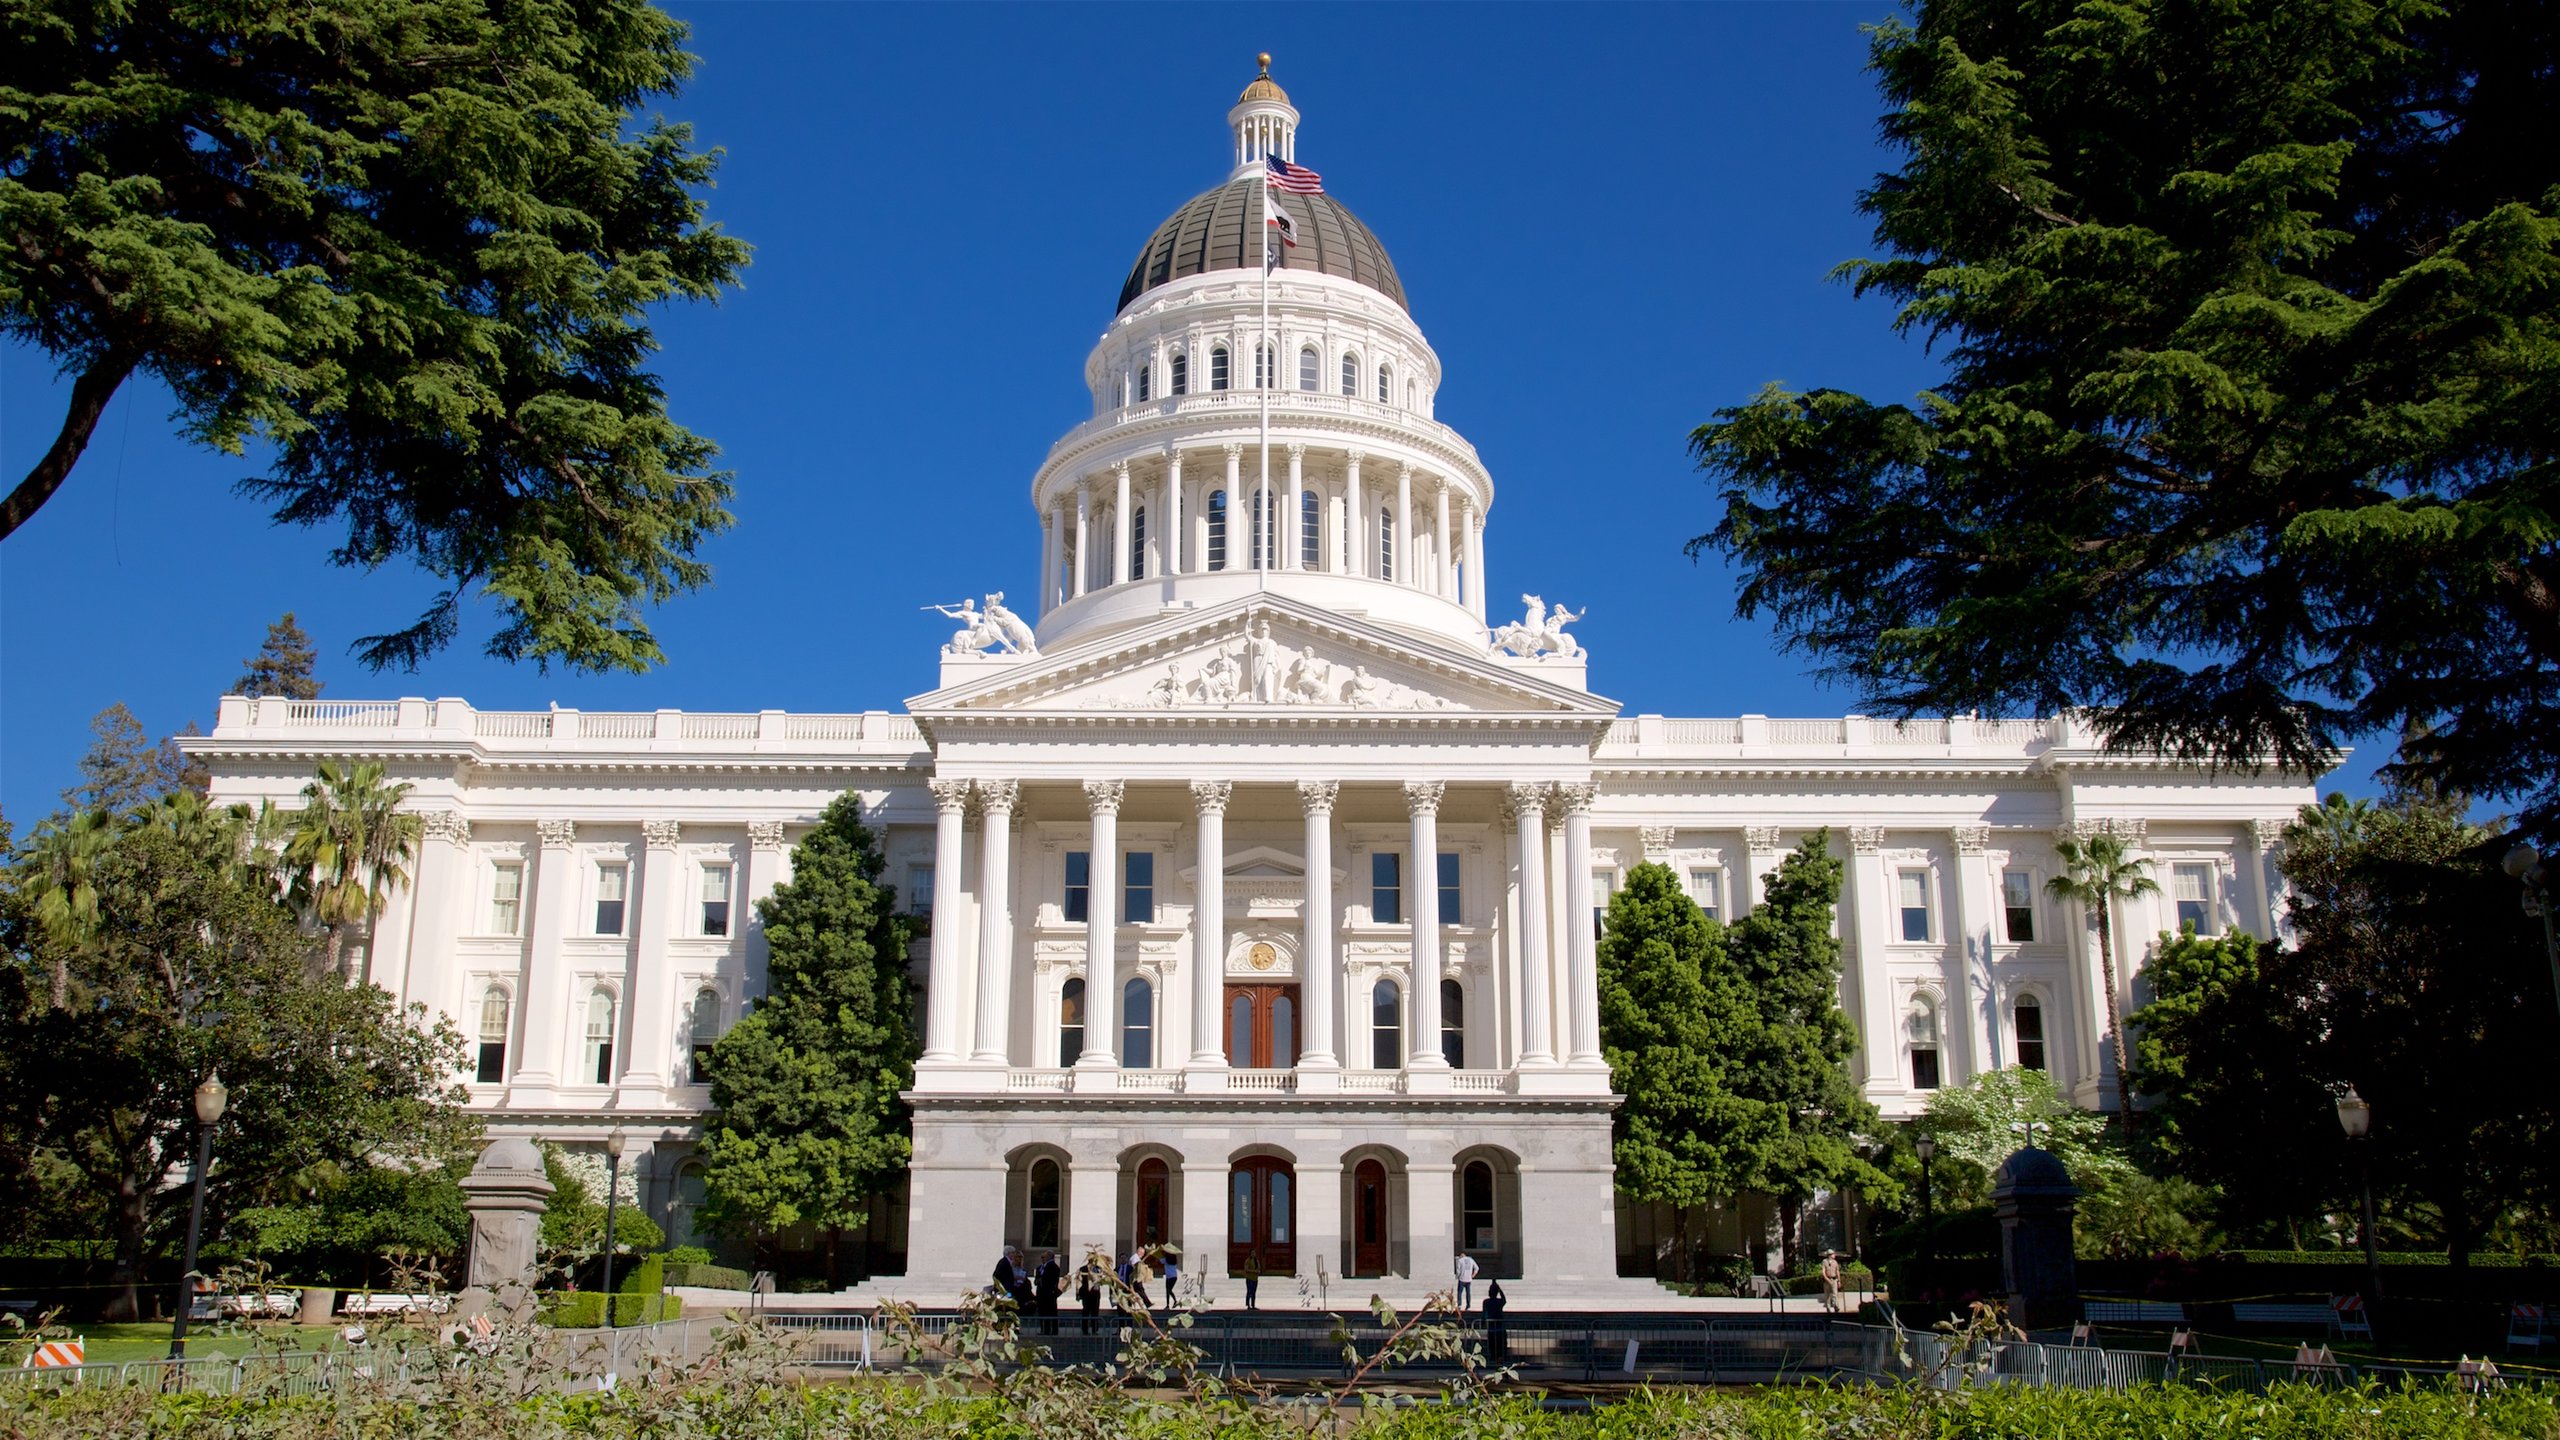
(115, 1344)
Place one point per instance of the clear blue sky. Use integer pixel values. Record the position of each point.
(1610, 220)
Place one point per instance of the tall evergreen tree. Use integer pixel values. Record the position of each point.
(283, 665)
(1795, 1060)
(808, 1127)
(1673, 1010)
(124, 769)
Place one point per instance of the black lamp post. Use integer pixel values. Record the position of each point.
(2533, 872)
(613, 1148)
(2355, 1116)
(1925, 1145)
(211, 1100)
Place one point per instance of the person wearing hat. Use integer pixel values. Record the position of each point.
(1831, 1280)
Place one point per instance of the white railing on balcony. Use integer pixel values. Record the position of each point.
(2013, 732)
(511, 724)
(1702, 732)
(1285, 405)
(346, 714)
(1807, 732)
(719, 727)
(1372, 1082)
(1151, 1082)
(1480, 1082)
(1262, 1082)
(822, 727)
(618, 725)
(1906, 732)
(1037, 1081)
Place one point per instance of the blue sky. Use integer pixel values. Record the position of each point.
(1610, 220)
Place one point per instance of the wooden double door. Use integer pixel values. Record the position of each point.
(1262, 1216)
(1262, 1027)
(1369, 1218)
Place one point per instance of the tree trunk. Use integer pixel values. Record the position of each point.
(1790, 1211)
(89, 396)
(835, 1235)
(61, 982)
(1680, 1239)
(2115, 1026)
(133, 1224)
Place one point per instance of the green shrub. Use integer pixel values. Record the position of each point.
(685, 1255)
(584, 1309)
(2479, 1260)
(645, 1278)
(706, 1275)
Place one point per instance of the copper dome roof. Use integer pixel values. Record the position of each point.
(1221, 230)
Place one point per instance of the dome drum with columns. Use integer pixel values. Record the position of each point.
(1262, 865)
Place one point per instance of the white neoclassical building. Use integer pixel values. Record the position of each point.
(1263, 859)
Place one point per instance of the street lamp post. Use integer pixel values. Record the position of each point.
(211, 1100)
(2533, 872)
(2355, 1116)
(1926, 1146)
(614, 1145)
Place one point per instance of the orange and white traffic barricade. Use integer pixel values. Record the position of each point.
(2352, 1321)
(57, 1354)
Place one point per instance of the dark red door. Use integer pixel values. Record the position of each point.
(1149, 1223)
(1262, 1216)
(1262, 1027)
(1369, 1218)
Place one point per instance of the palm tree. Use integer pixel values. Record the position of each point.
(2097, 872)
(62, 861)
(350, 844)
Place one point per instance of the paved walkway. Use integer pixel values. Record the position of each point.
(1281, 1298)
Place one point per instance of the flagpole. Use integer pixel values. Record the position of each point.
(1264, 529)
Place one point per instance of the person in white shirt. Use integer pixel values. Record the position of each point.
(1465, 1269)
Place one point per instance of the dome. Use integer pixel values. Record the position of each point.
(1263, 87)
(1219, 230)
(2031, 1169)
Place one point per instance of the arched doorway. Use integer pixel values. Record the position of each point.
(1262, 1216)
(1150, 1220)
(1369, 1218)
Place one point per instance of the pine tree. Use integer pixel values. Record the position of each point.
(809, 1128)
(123, 770)
(283, 665)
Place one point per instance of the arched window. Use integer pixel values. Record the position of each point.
(1412, 395)
(1046, 1193)
(1309, 367)
(1386, 383)
(1350, 374)
(1146, 382)
(1311, 530)
(1266, 550)
(1475, 1201)
(702, 1029)
(2028, 1017)
(1386, 1027)
(1150, 1225)
(1138, 1026)
(1217, 529)
(600, 1036)
(1070, 1022)
(1264, 362)
(1453, 1024)
(1386, 543)
(493, 1037)
(1218, 367)
(1181, 364)
(1138, 542)
(1921, 1026)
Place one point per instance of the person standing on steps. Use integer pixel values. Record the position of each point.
(1089, 1291)
(1465, 1269)
(1497, 1336)
(1166, 1262)
(1008, 1276)
(1831, 1281)
(1046, 1282)
(1252, 1273)
(1133, 1273)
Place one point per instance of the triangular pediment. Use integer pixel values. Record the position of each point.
(1266, 655)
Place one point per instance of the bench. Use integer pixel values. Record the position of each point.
(2323, 1318)
(2133, 1312)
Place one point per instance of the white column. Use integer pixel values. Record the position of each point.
(1319, 968)
(1319, 1215)
(1444, 579)
(1101, 927)
(1475, 561)
(1093, 1202)
(1870, 897)
(445, 889)
(1529, 946)
(1762, 852)
(1120, 524)
(1169, 516)
(1048, 560)
(1974, 900)
(547, 1000)
(1203, 1222)
(944, 975)
(1294, 549)
(995, 930)
(651, 996)
(1431, 1203)
(1084, 537)
(1209, 926)
(1239, 517)
(1358, 562)
(1404, 525)
(768, 865)
(2260, 882)
(1585, 1037)
(1422, 912)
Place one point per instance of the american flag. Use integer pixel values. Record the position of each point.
(1296, 179)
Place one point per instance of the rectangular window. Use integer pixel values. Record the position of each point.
(493, 1063)
(2028, 1018)
(1077, 903)
(1604, 883)
(2193, 886)
(2018, 898)
(920, 890)
(610, 883)
(1138, 888)
(1924, 1068)
(715, 899)
(1706, 886)
(1386, 888)
(506, 898)
(1453, 910)
(1386, 545)
(1915, 905)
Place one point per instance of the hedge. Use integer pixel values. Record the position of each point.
(584, 1309)
(707, 1277)
(2479, 1259)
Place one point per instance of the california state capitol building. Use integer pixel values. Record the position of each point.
(1262, 840)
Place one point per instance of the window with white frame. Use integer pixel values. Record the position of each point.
(2026, 1017)
(919, 896)
(1706, 886)
(1921, 1027)
(1070, 1022)
(2192, 885)
(612, 880)
(1264, 363)
(702, 1028)
(1076, 901)
(1386, 543)
(1138, 887)
(1146, 382)
(1913, 889)
(1218, 378)
(1453, 897)
(1386, 383)
(1217, 529)
(1181, 365)
(1138, 1024)
(1604, 884)
(1310, 530)
(1386, 887)
(715, 899)
(2018, 905)
(1386, 1026)
(599, 1069)
(1350, 374)
(494, 1008)
(506, 897)
(1308, 366)
(1138, 542)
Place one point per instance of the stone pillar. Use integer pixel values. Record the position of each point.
(1585, 1036)
(1093, 1195)
(1862, 957)
(1120, 524)
(995, 919)
(1239, 521)
(1169, 516)
(1475, 562)
(2262, 884)
(1964, 1020)
(505, 1193)
(958, 1204)
(1319, 967)
(1102, 928)
(445, 891)
(1048, 559)
(1084, 538)
(1430, 1221)
(1445, 578)
(1319, 1217)
(546, 995)
(1404, 525)
(1528, 807)
(1203, 1226)
(1293, 552)
(2033, 1197)
(1209, 926)
(768, 865)
(654, 1061)
(1357, 562)
(943, 973)
(1763, 850)
(1422, 912)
